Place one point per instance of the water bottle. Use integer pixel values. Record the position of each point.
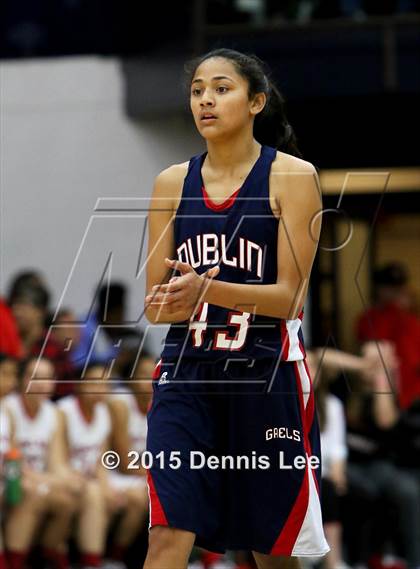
(13, 476)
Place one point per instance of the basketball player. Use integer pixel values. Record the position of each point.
(237, 226)
(87, 428)
(48, 490)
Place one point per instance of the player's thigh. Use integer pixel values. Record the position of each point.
(275, 561)
(164, 539)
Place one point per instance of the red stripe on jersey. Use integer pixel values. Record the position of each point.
(157, 515)
(156, 372)
(218, 207)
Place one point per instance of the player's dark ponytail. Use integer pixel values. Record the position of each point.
(271, 126)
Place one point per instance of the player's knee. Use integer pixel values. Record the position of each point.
(163, 540)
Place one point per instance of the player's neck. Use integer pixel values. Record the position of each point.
(31, 404)
(87, 407)
(31, 336)
(225, 156)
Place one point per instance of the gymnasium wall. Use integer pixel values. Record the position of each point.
(65, 143)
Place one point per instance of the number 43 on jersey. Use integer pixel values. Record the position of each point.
(222, 339)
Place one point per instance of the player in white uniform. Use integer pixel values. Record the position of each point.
(129, 405)
(88, 431)
(47, 489)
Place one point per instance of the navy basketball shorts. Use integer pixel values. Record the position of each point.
(234, 456)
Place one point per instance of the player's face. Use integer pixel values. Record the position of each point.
(39, 379)
(27, 315)
(8, 377)
(94, 385)
(219, 90)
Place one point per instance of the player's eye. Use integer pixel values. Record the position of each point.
(222, 89)
(195, 92)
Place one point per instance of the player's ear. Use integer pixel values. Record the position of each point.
(257, 103)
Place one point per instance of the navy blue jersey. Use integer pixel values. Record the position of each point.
(239, 235)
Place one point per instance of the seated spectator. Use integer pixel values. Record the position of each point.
(87, 428)
(25, 279)
(48, 492)
(373, 478)
(392, 318)
(29, 303)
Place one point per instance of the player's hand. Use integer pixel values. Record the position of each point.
(183, 293)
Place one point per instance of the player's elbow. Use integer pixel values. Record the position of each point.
(293, 309)
(293, 296)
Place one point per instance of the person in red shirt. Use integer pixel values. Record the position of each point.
(10, 342)
(392, 318)
(29, 303)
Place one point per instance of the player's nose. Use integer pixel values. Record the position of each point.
(206, 99)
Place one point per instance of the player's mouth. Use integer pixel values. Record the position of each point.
(207, 117)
